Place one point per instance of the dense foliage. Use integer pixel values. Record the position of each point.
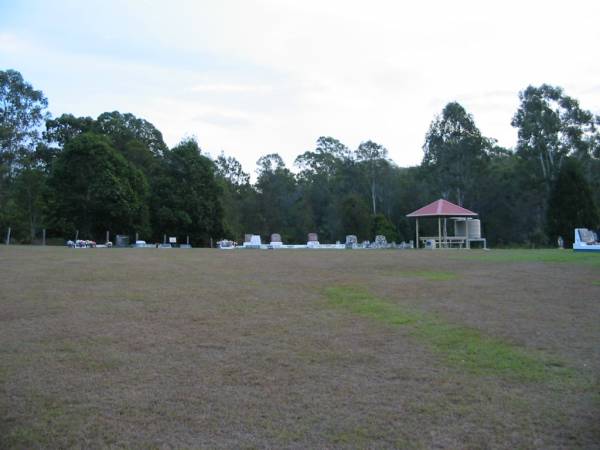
(571, 203)
(79, 175)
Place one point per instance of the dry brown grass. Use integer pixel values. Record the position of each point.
(146, 348)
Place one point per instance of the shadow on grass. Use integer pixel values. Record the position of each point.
(461, 346)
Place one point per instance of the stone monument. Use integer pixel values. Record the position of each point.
(276, 240)
(313, 240)
(351, 241)
(254, 241)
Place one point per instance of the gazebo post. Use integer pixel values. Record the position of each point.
(440, 230)
(417, 241)
(445, 232)
(467, 232)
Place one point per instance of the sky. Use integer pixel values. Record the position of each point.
(252, 77)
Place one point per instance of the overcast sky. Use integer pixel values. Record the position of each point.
(258, 77)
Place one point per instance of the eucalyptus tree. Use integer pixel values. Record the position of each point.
(22, 112)
(324, 173)
(552, 126)
(455, 153)
(373, 157)
(238, 199)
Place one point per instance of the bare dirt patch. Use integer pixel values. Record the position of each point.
(204, 348)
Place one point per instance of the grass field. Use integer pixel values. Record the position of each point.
(153, 348)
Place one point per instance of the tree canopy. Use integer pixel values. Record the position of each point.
(96, 189)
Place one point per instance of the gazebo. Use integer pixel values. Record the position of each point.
(442, 209)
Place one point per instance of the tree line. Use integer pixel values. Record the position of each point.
(82, 175)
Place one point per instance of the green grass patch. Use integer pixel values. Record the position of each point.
(526, 255)
(431, 275)
(596, 283)
(461, 346)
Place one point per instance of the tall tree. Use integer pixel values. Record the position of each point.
(22, 111)
(455, 153)
(186, 195)
(373, 156)
(238, 199)
(321, 181)
(552, 126)
(278, 199)
(95, 189)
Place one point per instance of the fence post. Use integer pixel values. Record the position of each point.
(8, 237)
(44, 236)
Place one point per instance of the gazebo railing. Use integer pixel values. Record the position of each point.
(451, 241)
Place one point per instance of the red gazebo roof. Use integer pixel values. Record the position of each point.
(441, 208)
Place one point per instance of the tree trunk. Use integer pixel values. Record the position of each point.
(373, 196)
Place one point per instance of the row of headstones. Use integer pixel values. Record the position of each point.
(276, 238)
(351, 241)
(380, 242)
